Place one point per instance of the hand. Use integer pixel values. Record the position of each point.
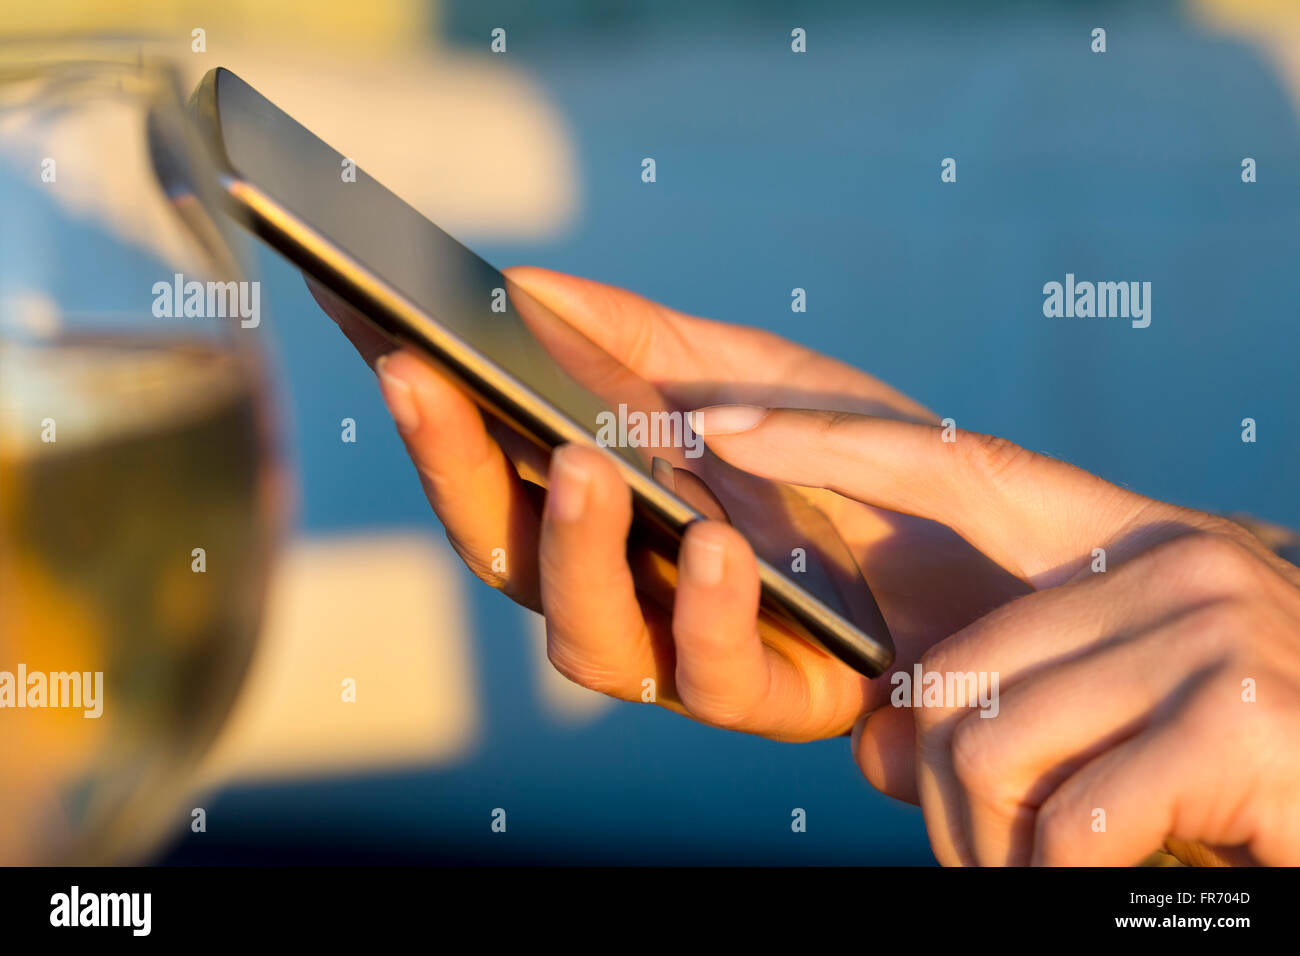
(1160, 698)
(709, 652)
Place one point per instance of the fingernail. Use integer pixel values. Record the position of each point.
(567, 495)
(725, 419)
(859, 725)
(702, 561)
(661, 470)
(399, 398)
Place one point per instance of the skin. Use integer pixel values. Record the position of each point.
(1121, 691)
(1124, 691)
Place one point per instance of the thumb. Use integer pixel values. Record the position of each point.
(1037, 517)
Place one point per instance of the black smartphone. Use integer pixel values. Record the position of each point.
(525, 367)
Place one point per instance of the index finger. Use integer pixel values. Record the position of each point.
(1036, 516)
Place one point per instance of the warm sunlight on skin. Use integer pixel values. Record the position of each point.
(1129, 690)
(785, 688)
(1121, 689)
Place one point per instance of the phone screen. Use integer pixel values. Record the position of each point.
(501, 323)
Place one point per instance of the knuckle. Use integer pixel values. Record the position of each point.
(1206, 635)
(584, 671)
(991, 458)
(1217, 714)
(955, 656)
(1212, 560)
(975, 755)
(1269, 725)
(642, 337)
(831, 422)
(1219, 625)
(927, 722)
(831, 705)
(720, 710)
(1217, 524)
(1051, 833)
(1217, 552)
(938, 657)
(479, 565)
(932, 718)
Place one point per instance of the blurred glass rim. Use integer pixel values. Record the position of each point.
(42, 65)
(141, 51)
(44, 74)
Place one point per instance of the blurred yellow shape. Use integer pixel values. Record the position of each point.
(384, 611)
(45, 626)
(465, 138)
(1246, 13)
(356, 24)
(1273, 24)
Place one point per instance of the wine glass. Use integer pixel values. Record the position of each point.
(140, 496)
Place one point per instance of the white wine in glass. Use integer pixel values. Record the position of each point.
(139, 496)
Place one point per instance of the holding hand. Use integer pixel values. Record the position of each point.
(710, 654)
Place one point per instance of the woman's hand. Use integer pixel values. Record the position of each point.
(710, 654)
(1156, 700)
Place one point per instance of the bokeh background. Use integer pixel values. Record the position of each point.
(775, 171)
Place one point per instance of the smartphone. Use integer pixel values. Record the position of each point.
(536, 378)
